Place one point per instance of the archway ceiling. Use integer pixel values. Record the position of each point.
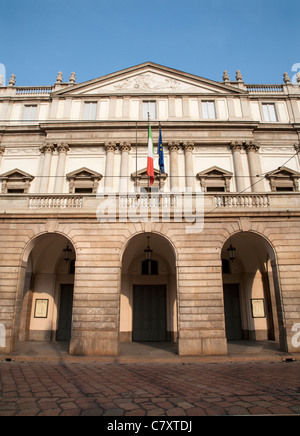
(136, 246)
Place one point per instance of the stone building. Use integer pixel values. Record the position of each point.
(94, 255)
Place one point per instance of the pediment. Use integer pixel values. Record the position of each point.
(283, 172)
(143, 174)
(148, 79)
(84, 173)
(214, 172)
(17, 175)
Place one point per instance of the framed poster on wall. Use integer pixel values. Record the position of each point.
(41, 308)
(258, 308)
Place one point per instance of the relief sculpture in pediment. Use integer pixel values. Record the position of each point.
(148, 82)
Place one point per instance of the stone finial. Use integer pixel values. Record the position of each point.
(72, 79)
(12, 80)
(238, 76)
(1, 80)
(59, 77)
(225, 76)
(286, 78)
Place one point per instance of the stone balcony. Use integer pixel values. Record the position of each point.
(143, 205)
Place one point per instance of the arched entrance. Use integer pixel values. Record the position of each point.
(148, 309)
(252, 302)
(47, 296)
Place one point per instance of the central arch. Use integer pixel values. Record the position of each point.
(148, 306)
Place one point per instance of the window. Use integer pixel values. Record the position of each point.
(269, 112)
(284, 180)
(282, 189)
(15, 191)
(83, 181)
(29, 112)
(84, 190)
(215, 179)
(16, 182)
(208, 110)
(141, 180)
(225, 266)
(149, 107)
(90, 111)
(215, 189)
(149, 268)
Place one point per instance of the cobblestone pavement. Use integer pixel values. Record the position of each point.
(197, 389)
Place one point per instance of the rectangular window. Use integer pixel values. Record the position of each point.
(90, 111)
(149, 107)
(29, 112)
(208, 110)
(269, 112)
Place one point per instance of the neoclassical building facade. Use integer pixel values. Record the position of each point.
(93, 255)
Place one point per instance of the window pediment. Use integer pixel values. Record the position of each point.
(284, 179)
(16, 181)
(83, 181)
(141, 178)
(215, 178)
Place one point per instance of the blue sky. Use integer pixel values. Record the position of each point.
(97, 37)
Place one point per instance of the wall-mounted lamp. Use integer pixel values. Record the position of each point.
(148, 252)
(67, 251)
(232, 252)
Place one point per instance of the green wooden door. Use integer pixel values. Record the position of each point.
(149, 314)
(65, 313)
(232, 309)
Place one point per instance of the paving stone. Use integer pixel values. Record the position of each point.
(95, 389)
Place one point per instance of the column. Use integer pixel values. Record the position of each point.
(110, 149)
(2, 150)
(189, 166)
(125, 150)
(47, 150)
(254, 166)
(236, 148)
(297, 148)
(174, 180)
(61, 164)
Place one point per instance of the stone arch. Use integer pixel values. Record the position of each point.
(43, 276)
(253, 286)
(138, 290)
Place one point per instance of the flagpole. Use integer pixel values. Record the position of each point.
(136, 157)
(159, 168)
(148, 140)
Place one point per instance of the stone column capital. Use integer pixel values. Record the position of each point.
(2, 150)
(173, 146)
(125, 147)
(297, 147)
(236, 146)
(110, 146)
(47, 148)
(63, 148)
(188, 146)
(251, 146)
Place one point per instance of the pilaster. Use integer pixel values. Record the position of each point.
(60, 171)
(174, 181)
(47, 150)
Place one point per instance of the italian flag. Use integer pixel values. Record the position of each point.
(150, 160)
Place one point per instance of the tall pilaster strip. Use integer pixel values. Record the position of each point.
(47, 150)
